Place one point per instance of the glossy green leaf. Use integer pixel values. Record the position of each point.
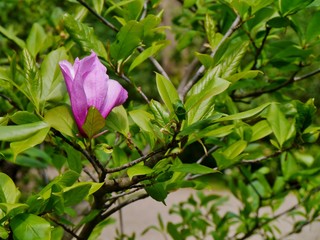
(30, 227)
(159, 112)
(142, 119)
(205, 59)
(94, 122)
(146, 54)
(35, 139)
(157, 192)
(281, 127)
(8, 191)
(61, 119)
(260, 130)
(137, 170)
(100, 227)
(32, 77)
(36, 39)
(167, 91)
(118, 120)
(53, 88)
(84, 36)
(13, 209)
(245, 114)
(19, 132)
(235, 149)
(127, 40)
(24, 117)
(192, 168)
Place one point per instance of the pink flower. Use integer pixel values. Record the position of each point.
(88, 86)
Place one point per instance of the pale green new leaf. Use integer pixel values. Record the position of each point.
(33, 82)
(245, 114)
(36, 39)
(51, 75)
(37, 138)
(8, 190)
(142, 119)
(146, 54)
(30, 227)
(137, 170)
(260, 130)
(167, 91)
(61, 119)
(20, 132)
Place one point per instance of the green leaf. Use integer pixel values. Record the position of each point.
(288, 7)
(313, 30)
(142, 119)
(207, 87)
(33, 80)
(243, 75)
(133, 9)
(84, 36)
(167, 91)
(260, 130)
(193, 168)
(281, 127)
(147, 53)
(12, 37)
(118, 120)
(21, 132)
(157, 192)
(235, 149)
(94, 122)
(53, 88)
(76, 193)
(24, 117)
(30, 227)
(278, 22)
(36, 39)
(13, 209)
(205, 59)
(98, 5)
(35, 139)
(100, 227)
(4, 234)
(137, 170)
(159, 112)
(73, 158)
(61, 119)
(127, 40)
(8, 191)
(246, 114)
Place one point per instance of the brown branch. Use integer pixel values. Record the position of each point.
(64, 227)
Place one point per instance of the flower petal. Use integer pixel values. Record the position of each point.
(67, 72)
(95, 83)
(116, 96)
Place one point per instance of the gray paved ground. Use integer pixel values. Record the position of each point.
(139, 215)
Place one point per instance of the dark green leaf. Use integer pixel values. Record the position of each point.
(193, 168)
(157, 192)
(128, 39)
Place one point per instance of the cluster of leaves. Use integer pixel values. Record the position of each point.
(233, 101)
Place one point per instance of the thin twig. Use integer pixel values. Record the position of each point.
(102, 19)
(123, 204)
(136, 161)
(259, 50)
(64, 227)
(122, 194)
(195, 78)
(124, 77)
(94, 162)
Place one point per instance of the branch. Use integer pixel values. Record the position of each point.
(94, 162)
(124, 77)
(259, 50)
(195, 78)
(64, 227)
(102, 19)
(136, 161)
